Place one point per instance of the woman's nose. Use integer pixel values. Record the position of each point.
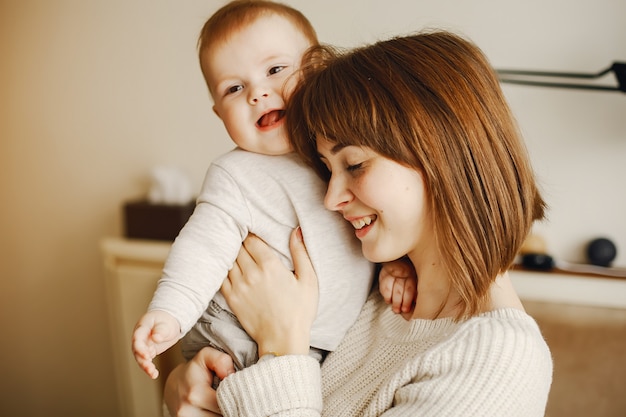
(337, 194)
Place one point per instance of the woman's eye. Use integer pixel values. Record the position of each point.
(276, 69)
(354, 167)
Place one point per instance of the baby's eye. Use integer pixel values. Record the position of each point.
(276, 69)
(234, 89)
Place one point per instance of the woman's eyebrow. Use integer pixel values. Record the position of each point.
(333, 151)
(337, 148)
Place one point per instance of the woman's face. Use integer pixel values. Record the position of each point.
(382, 199)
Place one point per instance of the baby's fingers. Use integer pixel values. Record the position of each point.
(385, 286)
(144, 353)
(149, 368)
(141, 343)
(397, 295)
(409, 294)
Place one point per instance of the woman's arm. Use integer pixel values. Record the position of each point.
(277, 308)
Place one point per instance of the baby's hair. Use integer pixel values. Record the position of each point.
(240, 13)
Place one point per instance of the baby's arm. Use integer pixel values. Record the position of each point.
(155, 332)
(397, 284)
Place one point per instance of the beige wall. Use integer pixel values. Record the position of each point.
(95, 93)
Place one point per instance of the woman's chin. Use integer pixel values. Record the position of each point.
(374, 256)
(381, 253)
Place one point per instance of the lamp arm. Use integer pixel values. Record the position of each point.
(618, 68)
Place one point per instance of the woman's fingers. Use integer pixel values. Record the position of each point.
(301, 262)
(250, 260)
(245, 269)
(234, 275)
(188, 389)
(216, 361)
(304, 271)
(257, 249)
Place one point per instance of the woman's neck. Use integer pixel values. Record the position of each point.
(435, 296)
(437, 299)
(502, 294)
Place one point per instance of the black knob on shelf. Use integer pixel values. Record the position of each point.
(601, 252)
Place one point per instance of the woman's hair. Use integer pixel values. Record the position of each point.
(238, 14)
(430, 101)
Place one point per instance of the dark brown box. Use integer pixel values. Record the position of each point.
(144, 220)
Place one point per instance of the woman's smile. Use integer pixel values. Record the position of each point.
(362, 225)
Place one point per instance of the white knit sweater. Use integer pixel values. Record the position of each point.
(495, 364)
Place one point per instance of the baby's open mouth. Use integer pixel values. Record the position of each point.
(270, 118)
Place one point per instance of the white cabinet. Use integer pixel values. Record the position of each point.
(564, 288)
(132, 269)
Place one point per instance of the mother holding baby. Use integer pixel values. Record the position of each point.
(423, 157)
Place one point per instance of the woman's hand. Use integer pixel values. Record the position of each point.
(188, 389)
(274, 305)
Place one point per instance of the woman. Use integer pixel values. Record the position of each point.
(422, 156)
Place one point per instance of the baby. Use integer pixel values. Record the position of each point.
(249, 54)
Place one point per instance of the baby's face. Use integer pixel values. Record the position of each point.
(247, 74)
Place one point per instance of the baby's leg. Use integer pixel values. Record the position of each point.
(220, 329)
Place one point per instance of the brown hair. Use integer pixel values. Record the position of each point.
(239, 13)
(430, 101)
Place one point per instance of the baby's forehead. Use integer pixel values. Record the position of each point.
(262, 40)
(270, 21)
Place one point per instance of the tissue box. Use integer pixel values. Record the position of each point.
(145, 220)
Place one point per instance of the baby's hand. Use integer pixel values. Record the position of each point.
(154, 333)
(397, 284)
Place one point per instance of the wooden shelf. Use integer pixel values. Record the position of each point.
(610, 273)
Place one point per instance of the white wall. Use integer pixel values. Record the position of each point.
(577, 138)
(95, 93)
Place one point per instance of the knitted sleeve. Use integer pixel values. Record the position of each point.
(284, 386)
